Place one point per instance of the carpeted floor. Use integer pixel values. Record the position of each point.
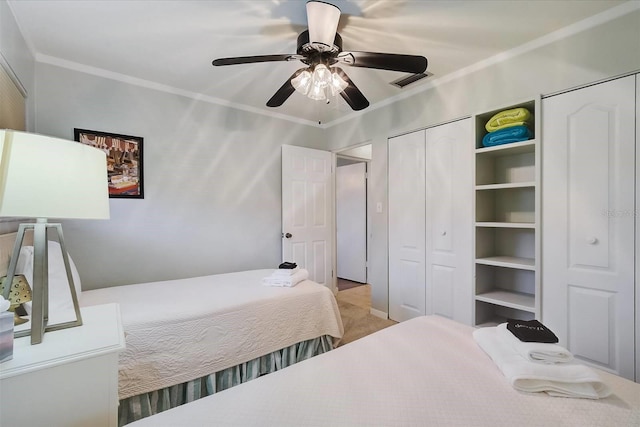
(354, 305)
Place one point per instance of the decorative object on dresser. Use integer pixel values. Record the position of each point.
(45, 177)
(19, 293)
(124, 161)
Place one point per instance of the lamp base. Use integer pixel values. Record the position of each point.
(40, 288)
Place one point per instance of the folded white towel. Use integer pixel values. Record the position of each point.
(287, 281)
(535, 351)
(569, 379)
(285, 272)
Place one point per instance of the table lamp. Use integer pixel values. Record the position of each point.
(43, 177)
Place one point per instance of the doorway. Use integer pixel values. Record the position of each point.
(352, 243)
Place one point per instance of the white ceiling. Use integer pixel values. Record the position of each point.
(170, 44)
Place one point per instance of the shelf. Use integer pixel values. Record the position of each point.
(508, 185)
(508, 262)
(528, 146)
(490, 224)
(516, 300)
(507, 193)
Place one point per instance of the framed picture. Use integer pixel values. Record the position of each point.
(124, 161)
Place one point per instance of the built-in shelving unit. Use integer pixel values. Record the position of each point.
(507, 242)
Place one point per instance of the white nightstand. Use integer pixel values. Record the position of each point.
(70, 379)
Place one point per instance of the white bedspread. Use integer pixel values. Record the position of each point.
(179, 330)
(424, 372)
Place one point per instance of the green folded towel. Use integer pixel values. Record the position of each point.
(508, 118)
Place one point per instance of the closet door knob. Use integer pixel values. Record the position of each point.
(592, 240)
(444, 232)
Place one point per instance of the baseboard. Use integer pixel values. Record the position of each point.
(378, 313)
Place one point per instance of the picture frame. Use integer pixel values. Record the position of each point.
(124, 161)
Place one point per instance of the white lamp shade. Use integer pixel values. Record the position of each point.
(322, 19)
(46, 177)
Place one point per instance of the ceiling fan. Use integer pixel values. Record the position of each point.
(320, 49)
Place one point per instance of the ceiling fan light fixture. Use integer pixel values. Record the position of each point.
(317, 84)
(317, 92)
(302, 82)
(323, 23)
(321, 76)
(337, 84)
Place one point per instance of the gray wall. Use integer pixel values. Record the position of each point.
(601, 52)
(212, 181)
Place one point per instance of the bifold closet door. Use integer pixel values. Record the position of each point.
(588, 222)
(449, 220)
(406, 226)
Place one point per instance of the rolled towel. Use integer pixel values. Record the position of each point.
(562, 380)
(286, 281)
(505, 118)
(535, 351)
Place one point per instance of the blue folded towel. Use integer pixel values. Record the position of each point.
(507, 135)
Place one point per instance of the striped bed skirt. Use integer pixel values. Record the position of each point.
(146, 404)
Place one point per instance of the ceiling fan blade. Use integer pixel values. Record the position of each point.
(322, 19)
(414, 64)
(252, 59)
(284, 92)
(351, 93)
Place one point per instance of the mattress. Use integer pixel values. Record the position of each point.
(425, 371)
(179, 330)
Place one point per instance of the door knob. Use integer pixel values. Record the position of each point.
(592, 240)
(288, 235)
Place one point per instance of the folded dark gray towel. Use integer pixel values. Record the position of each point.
(531, 331)
(288, 265)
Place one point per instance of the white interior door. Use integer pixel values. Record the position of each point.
(449, 220)
(351, 222)
(307, 211)
(588, 222)
(406, 226)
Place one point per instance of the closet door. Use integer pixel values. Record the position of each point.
(449, 220)
(588, 222)
(406, 226)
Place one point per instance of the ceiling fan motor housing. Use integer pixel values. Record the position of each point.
(315, 53)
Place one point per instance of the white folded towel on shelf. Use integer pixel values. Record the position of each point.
(287, 281)
(285, 272)
(535, 351)
(569, 379)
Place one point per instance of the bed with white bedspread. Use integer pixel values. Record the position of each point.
(179, 330)
(426, 371)
(193, 337)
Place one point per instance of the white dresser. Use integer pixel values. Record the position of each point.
(70, 379)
